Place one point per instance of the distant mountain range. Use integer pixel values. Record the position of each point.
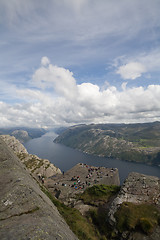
(131, 142)
(23, 134)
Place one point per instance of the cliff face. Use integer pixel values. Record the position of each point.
(26, 212)
(21, 135)
(138, 203)
(138, 188)
(36, 165)
(13, 143)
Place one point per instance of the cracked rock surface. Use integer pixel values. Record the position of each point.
(25, 211)
(137, 188)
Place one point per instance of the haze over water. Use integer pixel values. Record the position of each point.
(65, 157)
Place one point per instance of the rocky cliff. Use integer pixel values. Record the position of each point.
(21, 135)
(36, 165)
(137, 188)
(138, 203)
(26, 212)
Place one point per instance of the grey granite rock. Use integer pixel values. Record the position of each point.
(36, 165)
(138, 188)
(25, 211)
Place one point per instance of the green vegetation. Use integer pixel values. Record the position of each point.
(78, 223)
(99, 193)
(129, 217)
(133, 156)
(97, 217)
(47, 166)
(93, 226)
(32, 162)
(132, 216)
(130, 142)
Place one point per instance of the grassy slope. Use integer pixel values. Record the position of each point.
(84, 226)
(99, 194)
(77, 223)
(94, 226)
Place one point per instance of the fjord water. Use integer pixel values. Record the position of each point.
(65, 157)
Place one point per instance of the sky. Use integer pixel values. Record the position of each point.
(67, 62)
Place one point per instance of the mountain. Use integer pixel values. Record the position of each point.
(99, 211)
(23, 134)
(130, 142)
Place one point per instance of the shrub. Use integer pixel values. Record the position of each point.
(146, 225)
(132, 216)
(99, 193)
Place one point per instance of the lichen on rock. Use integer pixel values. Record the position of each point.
(36, 165)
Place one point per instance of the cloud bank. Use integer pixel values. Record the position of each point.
(54, 99)
(101, 62)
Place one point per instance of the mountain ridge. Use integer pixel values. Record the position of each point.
(130, 142)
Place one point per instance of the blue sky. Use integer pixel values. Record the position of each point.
(79, 61)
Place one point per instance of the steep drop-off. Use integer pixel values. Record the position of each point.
(26, 212)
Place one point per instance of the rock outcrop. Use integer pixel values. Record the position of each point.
(13, 143)
(36, 165)
(66, 187)
(26, 212)
(137, 188)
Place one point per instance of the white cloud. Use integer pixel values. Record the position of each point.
(131, 70)
(90, 34)
(59, 100)
(57, 78)
(134, 67)
(45, 61)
